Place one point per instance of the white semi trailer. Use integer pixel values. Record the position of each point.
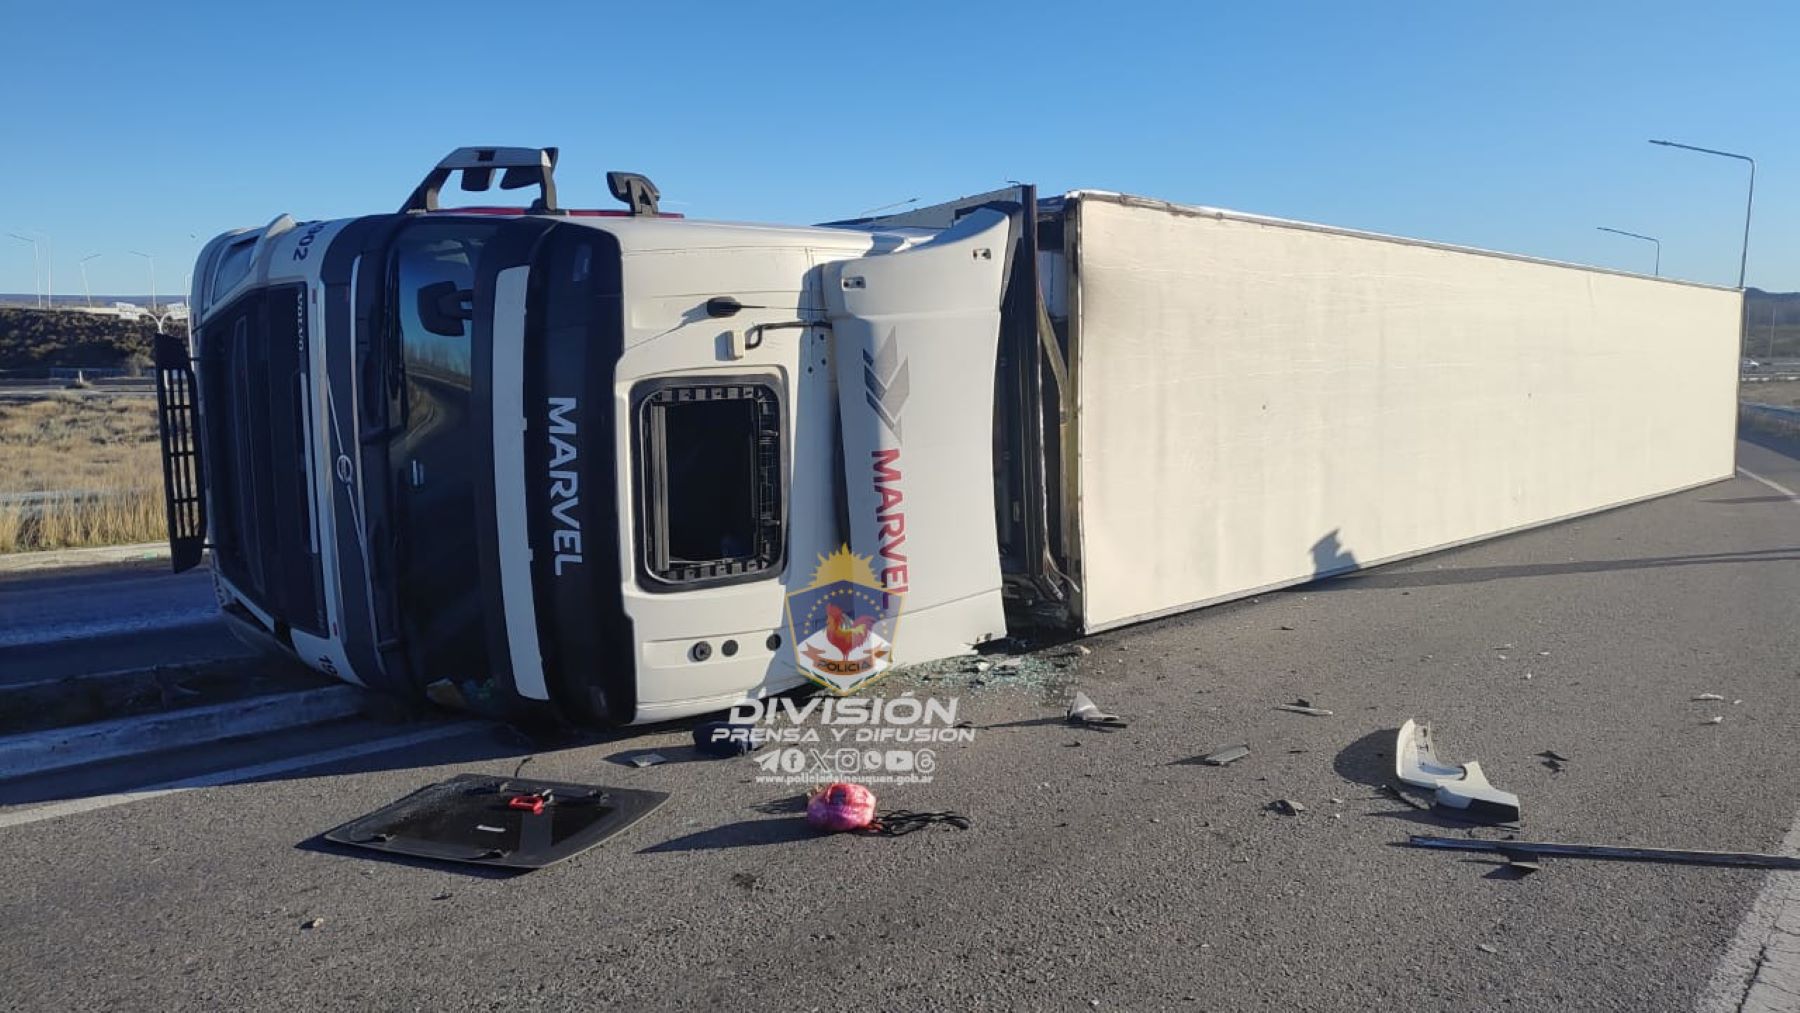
(622, 466)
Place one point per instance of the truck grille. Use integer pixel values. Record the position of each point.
(254, 384)
(178, 423)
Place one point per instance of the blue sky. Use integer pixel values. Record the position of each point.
(1518, 127)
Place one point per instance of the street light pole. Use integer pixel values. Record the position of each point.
(84, 284)
(1652, 239)
(152, 261)
(37, 295)
(1749, 199)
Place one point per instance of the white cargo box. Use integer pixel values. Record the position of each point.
(1261, 402)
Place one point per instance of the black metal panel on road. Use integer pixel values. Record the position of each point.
(513, 823)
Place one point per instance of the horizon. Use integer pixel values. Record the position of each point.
(1521, 130)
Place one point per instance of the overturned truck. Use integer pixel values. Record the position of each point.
(622, 466)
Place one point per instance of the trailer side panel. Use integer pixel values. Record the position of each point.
(1261, 402)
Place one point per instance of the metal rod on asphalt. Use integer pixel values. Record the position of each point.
(1657, 271)
(1744, 859)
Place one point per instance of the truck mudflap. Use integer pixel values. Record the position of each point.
(178, 424)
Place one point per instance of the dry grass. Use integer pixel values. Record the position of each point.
(101, 448)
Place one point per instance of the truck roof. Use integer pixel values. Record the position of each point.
(668, 231)
(1197, 210)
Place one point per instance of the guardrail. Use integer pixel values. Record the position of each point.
(1771, 410)
(1770, 417)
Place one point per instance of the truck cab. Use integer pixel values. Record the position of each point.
(532, 460)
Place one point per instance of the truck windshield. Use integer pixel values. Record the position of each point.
(433, 483)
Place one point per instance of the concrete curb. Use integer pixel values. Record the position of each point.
(78, 745)
(64, 701)
(64, 559)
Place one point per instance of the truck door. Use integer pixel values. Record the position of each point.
(915, 335)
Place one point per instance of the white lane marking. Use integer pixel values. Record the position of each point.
(1761, 966)
(1756, 964)
(56, 810)
(1793, 497)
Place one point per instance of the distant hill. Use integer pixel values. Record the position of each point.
(1771, 324)
(26, 300)
(1779, 307)
(36, 338)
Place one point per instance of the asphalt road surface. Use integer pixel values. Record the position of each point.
(99, 619)
(1102, 871)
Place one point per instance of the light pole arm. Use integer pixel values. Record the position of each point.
(1749, 202)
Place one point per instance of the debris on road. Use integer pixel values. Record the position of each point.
(1485, 948)
(647, 759)
(1741, 859)
(839, 807)
(469, 696)
(1230, 754)
(1287, 807)
(847, 807)
(1715, 720)
(1304, 706)
(1084, 712)
(499, 821)
(1524, 863)
(723, 738)
(312, 923)
(896, 822)
(1707, 696)
(1554, 760)
(1462, 789)
(1402, 797)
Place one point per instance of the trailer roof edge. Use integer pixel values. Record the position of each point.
(1201, 211)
